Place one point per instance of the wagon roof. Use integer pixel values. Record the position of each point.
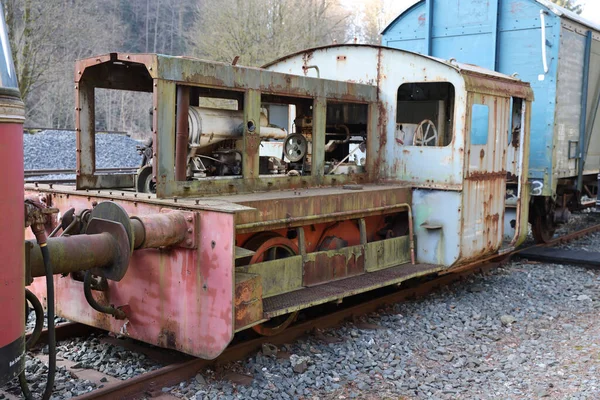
(553, 8)
(477, 78)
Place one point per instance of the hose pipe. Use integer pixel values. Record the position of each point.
(39, 319)
(51, 332)
(87, 290)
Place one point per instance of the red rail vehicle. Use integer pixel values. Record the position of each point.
(288, 192)
(12, 273)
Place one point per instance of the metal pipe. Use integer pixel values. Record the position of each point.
(74, 253)
(543, 14)
(181, 137)
(316, 68)
(159, 230)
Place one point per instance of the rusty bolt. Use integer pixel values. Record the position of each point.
(189, 242)
(50, 185)
(128, 57)
(189, 218)
(197, 202)
(135, 195)
(35, 184)
(94, 203)
(190, 230)
(79, 72)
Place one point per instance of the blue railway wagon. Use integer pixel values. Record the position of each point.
(554, 49)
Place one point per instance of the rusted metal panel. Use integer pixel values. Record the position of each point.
(485, 176)
(176, 298)
(85, 116)
(212, 74)
(248, 300)
(164, 137)
(318, 138)
(326, 266)
(277, 276)
(251, 145)
(387, 253)
(319, 204)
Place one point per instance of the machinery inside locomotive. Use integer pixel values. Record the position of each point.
(215, 130)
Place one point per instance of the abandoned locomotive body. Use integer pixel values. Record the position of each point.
(296, 191)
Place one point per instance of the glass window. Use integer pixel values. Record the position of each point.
(480, 116)
(425, 114)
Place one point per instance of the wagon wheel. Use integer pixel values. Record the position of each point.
(426, 134)
(270, 246)
(542, 223)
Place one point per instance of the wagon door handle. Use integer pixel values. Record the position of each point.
(543, 14)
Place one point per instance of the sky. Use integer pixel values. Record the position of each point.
(591, 11)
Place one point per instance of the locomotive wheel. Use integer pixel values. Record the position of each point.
(542, 229)
(542, 223)
(270, 246)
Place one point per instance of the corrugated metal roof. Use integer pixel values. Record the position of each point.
(553, 8)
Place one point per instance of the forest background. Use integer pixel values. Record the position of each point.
(47, 36)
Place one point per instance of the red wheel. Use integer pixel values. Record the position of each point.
(270, 246)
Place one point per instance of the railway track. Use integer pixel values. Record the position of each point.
(150, 384)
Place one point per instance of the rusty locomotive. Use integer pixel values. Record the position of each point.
(265, 191)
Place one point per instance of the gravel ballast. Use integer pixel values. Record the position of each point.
(526, 330)
(54, 149)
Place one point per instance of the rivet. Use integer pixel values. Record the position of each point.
(190, 230)
(175, 199)
(189, 219)
(189, 242)
(213, 244)
(197, 202)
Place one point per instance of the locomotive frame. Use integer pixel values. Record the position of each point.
(253, 250)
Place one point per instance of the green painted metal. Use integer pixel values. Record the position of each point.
(278, 276)
(387, 253)
(318, 143)
(164, 138)
(251, 155)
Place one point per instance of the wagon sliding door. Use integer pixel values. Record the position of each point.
(485, 175)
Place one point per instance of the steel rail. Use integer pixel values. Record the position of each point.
(151, 383)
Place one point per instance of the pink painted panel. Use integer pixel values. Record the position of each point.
(174, 298)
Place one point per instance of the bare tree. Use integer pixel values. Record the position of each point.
(573, 5)
(262, 30)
